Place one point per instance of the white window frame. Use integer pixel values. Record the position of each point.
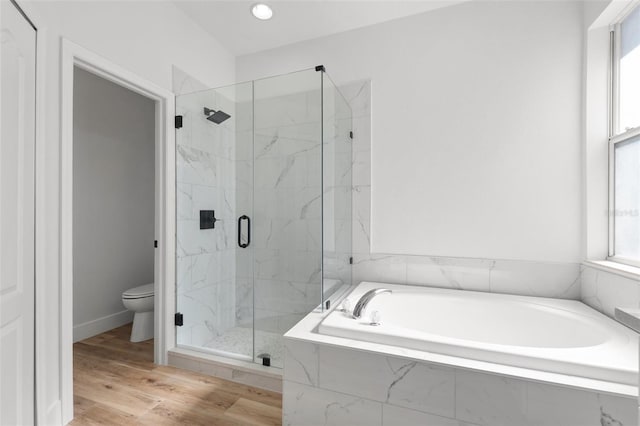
(615, 136)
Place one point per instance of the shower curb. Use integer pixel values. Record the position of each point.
(229, 369)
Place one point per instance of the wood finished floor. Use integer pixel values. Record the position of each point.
(116, 383)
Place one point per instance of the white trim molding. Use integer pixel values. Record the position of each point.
(617, 268)
(100, 325)
(76, 55)
(45, 411)
(597, 123)
(617, 136)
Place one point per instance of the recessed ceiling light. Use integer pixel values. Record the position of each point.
(261, 11)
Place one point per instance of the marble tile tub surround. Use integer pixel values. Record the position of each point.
(605, 291)
(307, 331)
(546, 279)
(329, 385)
(558, 280)
(334, 380)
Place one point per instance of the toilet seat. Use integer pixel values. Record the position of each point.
(139, 292)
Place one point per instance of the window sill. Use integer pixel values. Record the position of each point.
(627, 271)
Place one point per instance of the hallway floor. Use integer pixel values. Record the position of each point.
(116, 383)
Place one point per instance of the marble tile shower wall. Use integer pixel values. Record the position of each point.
(205, 180)
(284, 169)
(545, 279)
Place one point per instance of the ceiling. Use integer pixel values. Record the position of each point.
(231, 22)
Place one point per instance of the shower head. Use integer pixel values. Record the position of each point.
(216, 116)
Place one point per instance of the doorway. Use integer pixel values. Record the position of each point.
(113, 228)
(113, 205)
(76, 59)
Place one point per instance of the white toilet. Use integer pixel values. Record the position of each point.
(140, 301)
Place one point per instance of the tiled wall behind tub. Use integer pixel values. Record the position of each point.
(529, 278)
(205, 175)
(605, 290)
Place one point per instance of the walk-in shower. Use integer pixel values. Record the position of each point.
(276, 169)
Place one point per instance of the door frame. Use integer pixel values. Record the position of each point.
(164, 331)
(42, 414)
(38, 128)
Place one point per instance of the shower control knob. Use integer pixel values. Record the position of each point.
(375, 318)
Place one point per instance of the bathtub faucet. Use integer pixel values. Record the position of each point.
(365, 299)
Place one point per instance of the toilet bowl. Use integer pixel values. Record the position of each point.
(140, 300)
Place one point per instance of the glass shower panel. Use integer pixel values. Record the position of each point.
(271, 159)
(288, 206)
(337, 187)
(213, 174)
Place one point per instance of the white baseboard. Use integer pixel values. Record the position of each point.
(100, 325)
(54, 414)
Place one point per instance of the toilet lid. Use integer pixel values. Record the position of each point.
(138, 292)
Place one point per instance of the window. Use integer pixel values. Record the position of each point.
(624, 141)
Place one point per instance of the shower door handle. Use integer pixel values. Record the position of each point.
(240, 219)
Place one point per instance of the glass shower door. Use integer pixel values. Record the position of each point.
(337, 171)
(288, 206)
(214, 184)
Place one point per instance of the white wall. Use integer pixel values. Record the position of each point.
(146, 38)
(113, 200)
(475, 126)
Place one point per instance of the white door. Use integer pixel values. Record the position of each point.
(17, 278)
